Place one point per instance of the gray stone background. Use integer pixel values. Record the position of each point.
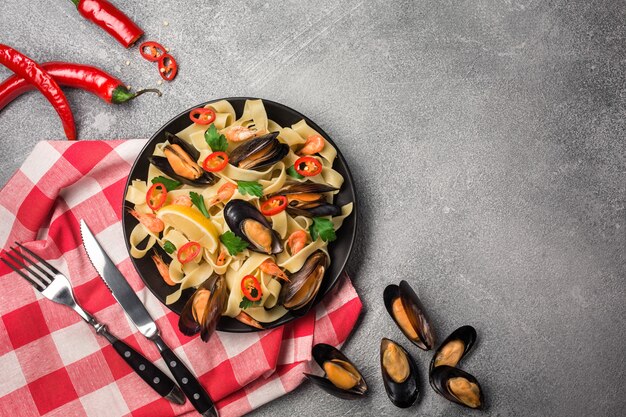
(486, 141)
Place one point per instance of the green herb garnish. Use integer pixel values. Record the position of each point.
(234, 244)
(323, 228)
(169, 183)
(246, 303)
(250, 188)
(198, 201)
(215, 140)
(169, 247)
(291, 171)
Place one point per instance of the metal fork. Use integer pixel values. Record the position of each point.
(55, 286)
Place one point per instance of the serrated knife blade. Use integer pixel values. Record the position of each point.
(117, 284)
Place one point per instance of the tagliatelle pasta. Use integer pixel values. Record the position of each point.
(190, 231)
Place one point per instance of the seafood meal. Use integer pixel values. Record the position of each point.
(240, 209)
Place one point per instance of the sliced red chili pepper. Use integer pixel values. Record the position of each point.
(274, 205)
(111, 19)
(251, 288)
(215, 162)
(156, 195)
(168, 67)
(151, 51)
(307, 166)
(188, 252)
(202, 116)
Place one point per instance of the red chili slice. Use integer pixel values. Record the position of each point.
(151, 51)
(307, 166)
(215, 162)
(188, 252)
(249, 283)
(168, 67)
(202, 116)
(156, 195)
(274, 205)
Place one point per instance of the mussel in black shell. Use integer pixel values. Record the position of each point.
(408, 313)
(303, 285)
(247, 222)
(259, 153)
(399, 372)
(457, 386)
(454, 348)
(307, 199)
(180, 162)
(205, 307)
(341, 378)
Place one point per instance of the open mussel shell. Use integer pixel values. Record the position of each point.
(300, 291)
(400, 374)
(406, 310)
(454, 348)
(458, 386)
(180, 163)
(341, 378)
(249, 224)
(204, 309)
(307, 199)
(259, 153)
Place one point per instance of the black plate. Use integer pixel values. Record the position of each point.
(339, 250)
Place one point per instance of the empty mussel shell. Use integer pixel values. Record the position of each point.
(204, 309)
(259, 153)
(303, 285)
(247, 222)
(341, 378)
(399, 372)
(307, 199)
(406, 310)
(454, 348)
(457, 386)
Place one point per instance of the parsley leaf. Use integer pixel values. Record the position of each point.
(198, 201)
(169, 183)
(234, 244)
(291, 171)
(245, 303)
(323, 228)
(250, 188)
(217, 142)
(169, 247)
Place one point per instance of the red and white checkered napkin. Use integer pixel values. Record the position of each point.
(52, 363)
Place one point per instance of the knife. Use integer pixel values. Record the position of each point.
(137, 312)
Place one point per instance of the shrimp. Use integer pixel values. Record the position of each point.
(246, 319)
(297, 241)
(182, 200)
(270, 267)
(313, 145)
(225, 192)
(221, 259)
(241, 133)
(163, 269)
(149, 221)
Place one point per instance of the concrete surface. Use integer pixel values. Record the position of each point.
(486, 139)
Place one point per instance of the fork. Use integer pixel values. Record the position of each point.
(55, 286)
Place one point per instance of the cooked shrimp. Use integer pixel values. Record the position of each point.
(246, 319)
(221, 258)
(182, 200)
(163, 269)
(225, 192)
(149, 220)
(313, 145)
(241, 133)
(297, 241)
(270, 267)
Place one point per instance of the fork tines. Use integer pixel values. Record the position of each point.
(40, 280)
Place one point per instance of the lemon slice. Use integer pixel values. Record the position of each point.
(192, 224)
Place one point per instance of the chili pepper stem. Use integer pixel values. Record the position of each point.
(75, 2)
(122, 94)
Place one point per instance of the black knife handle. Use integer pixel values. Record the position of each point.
(153, 376)
(198, 397)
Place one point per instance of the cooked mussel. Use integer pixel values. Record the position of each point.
(408, 313)
(180, 162)
(249, 224)
(259, 153)
(454, 348)
(304, 284)
(457, 386)
(341, 378)
(205, 307)
(307, 199)
(399, 374)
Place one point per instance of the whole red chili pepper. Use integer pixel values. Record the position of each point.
(111, 19)
(92, 79)
(33, 73)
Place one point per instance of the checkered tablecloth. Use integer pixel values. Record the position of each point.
(52, 363)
